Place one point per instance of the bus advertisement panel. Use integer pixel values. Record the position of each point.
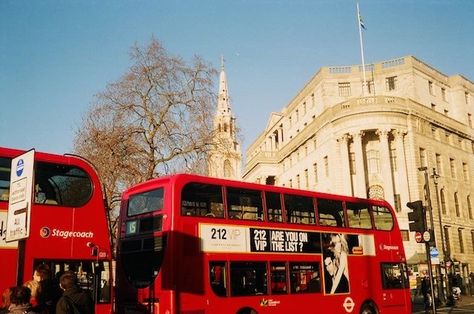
(193, 244)
(68, 228)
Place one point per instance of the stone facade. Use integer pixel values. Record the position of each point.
(374, 139)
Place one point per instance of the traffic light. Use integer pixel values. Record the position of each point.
(417, 216)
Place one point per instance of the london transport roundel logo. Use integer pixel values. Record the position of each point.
(45, 232)
(20, 165)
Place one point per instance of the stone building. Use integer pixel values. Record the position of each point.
(225, 160)
(381, 139)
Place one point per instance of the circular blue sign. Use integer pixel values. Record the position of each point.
(434, 252)
(19, 167)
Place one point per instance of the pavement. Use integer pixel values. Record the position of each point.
(467, 301)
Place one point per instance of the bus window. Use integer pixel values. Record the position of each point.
(218, 278)
(244, 204)
(145, 202)
(248, 278)
(92, 276)
(199, 199)
(382, 218)
(330, 212)
(278, 278)
(305, 277)
(5, 164)
(299, 209)
(394, 276)
(58, 184)
(273, 206)
(358, 215)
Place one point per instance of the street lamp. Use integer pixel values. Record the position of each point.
(427, 244)
(435, 177)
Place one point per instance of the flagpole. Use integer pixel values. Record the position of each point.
(361, 49)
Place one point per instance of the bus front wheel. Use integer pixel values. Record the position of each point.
(247, 310)
(368, 308)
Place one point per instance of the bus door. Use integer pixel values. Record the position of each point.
(93, 276)
(394, 284)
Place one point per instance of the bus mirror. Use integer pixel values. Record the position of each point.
(94, 248)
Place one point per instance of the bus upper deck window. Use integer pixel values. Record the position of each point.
(244, 204)
(60, 184)
(145, 202)
(274, 206)
(299, 209)
(5, 164)
(330, 212)
(358, 215)
(200, 199)
(383, 218)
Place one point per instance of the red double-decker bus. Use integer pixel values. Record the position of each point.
(68, 226)
(193, 244)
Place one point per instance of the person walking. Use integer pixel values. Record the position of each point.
(74, 299)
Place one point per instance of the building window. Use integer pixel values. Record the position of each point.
(422, 157)
(344, 89)
(472, 240)
(446, 112)
(405, 235)
(466, 97)
(306, 179)
(371, 87)
(443, 201)
(461, 241)
(465, 171)
(447, 238)
(326, 165)
(298, 181)
(315, 172)
(297, 116)
(289, 122)
(469, 120)
(439, 165)
(373, 161)
(443, 93)
(469, 206)
(304, 108)
(433, 106)
(456, 204)
(290, 184)
(430, 87)
(397, 204)
(452, 167)
(352, 163)
(312, 100)
(390, 83)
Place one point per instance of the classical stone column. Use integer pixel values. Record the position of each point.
(385, 166)
(402, 179)
(345, 164)
(360, 185)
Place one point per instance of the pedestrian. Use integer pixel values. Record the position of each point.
(20, 301)
(6, 300)
(48, 292)
(74, 299)
(426, 291)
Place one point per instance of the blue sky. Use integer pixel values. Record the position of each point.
(56, 55)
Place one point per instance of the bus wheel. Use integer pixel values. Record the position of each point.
(247, 310)
(368, 308)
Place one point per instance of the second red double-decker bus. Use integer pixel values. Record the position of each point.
(68, 226)
(193, 244)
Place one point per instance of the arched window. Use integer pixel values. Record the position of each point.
(456, 204)
(443, 201)
(469, 206)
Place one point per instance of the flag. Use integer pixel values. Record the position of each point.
(361, 22)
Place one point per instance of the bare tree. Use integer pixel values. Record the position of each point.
(155, 120)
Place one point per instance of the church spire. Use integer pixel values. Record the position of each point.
(225, 159)
(223, 106)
